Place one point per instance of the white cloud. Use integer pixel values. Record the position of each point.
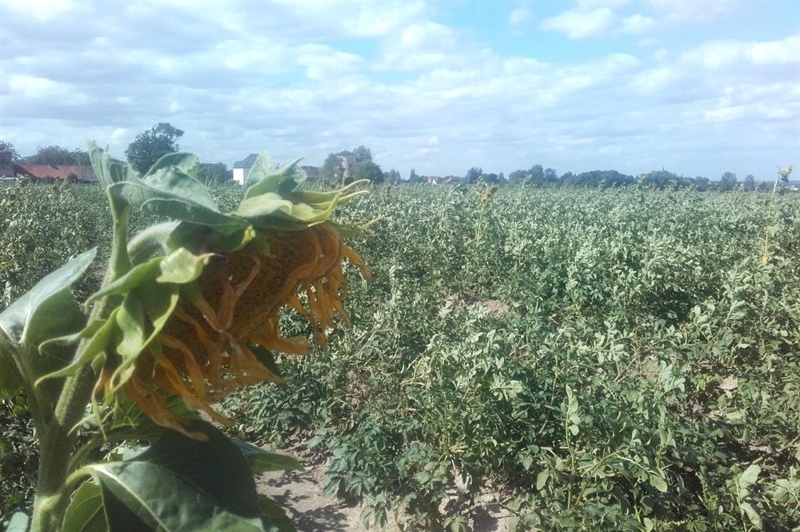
(418, 46)
(519, 15)
(326, 63)
(298, 80)
(692, 11)
(637, 24)
(581, 23)
(42, 10)
(721, 54)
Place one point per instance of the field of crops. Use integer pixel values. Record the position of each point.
(619, 359)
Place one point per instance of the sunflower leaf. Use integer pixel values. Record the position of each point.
(184, 484)
(85, 511)
(48, 309)
(266, 177)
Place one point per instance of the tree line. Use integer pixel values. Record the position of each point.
(536, 175)
(349, 165)
(147, 148)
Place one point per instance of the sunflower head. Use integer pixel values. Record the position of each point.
(197, 313)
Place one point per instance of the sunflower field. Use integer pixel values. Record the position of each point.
(618, 359)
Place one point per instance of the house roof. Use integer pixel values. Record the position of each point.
(45, 171)
(247, 162)
(13, 170)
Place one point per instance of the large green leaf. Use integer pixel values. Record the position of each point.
(10, 378)
(172, 193)
(265, 177)
(165, 501)
(108, 169)
(199, 237)
(184, 484)
(85, 512)
(48, 310)
(186, 163)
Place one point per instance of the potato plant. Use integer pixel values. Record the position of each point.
(619, 359)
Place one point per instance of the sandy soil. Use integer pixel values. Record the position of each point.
(300, 494)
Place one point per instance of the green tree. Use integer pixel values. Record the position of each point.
(362, 154)
(750, 183)
(517, 176)
(392, 176)
(550, 175)
(214, 172)
(474, 174)
(369, 170)
(537, 174)
(702, 183)
(414, 178)
(153, 144)
(8, 154)
(331, 168)
(59, 156)
(727, 181)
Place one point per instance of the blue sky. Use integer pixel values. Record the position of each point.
(696, 87)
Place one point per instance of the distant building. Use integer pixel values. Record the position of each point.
(242, 168)
(48, 173)
(9, 172)
(313, 173)
(348, 162)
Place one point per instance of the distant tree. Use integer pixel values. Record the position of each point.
(58, 156)
(517, 176)
(474, 174)
(392, 176)
(727, 181)
(550, 175)
(661, 179)
(150, 146)
(502, 177)
(490, 178)
(214, 173)
(362, 154)
(331, 168)
(702, 183)
(8, 154)
(414, 178)
(369, 170)
(536, 173)
(749, 183)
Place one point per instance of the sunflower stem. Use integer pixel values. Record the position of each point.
(54, 427)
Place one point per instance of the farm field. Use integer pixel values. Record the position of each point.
(619, 359)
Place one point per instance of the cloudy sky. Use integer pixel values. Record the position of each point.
(696, 87)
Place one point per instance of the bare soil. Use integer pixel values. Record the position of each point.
(299, 493)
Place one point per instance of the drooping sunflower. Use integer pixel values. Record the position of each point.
(206, 349)
(200, 319)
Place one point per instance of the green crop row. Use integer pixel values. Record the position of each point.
(601, 359)
(616, 360)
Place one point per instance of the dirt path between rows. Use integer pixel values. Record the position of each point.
(299, 493)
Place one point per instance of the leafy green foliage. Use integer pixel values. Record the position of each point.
(164, 488)
(150, 146)
(605, 359)
(58, 156)
(614, 359)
